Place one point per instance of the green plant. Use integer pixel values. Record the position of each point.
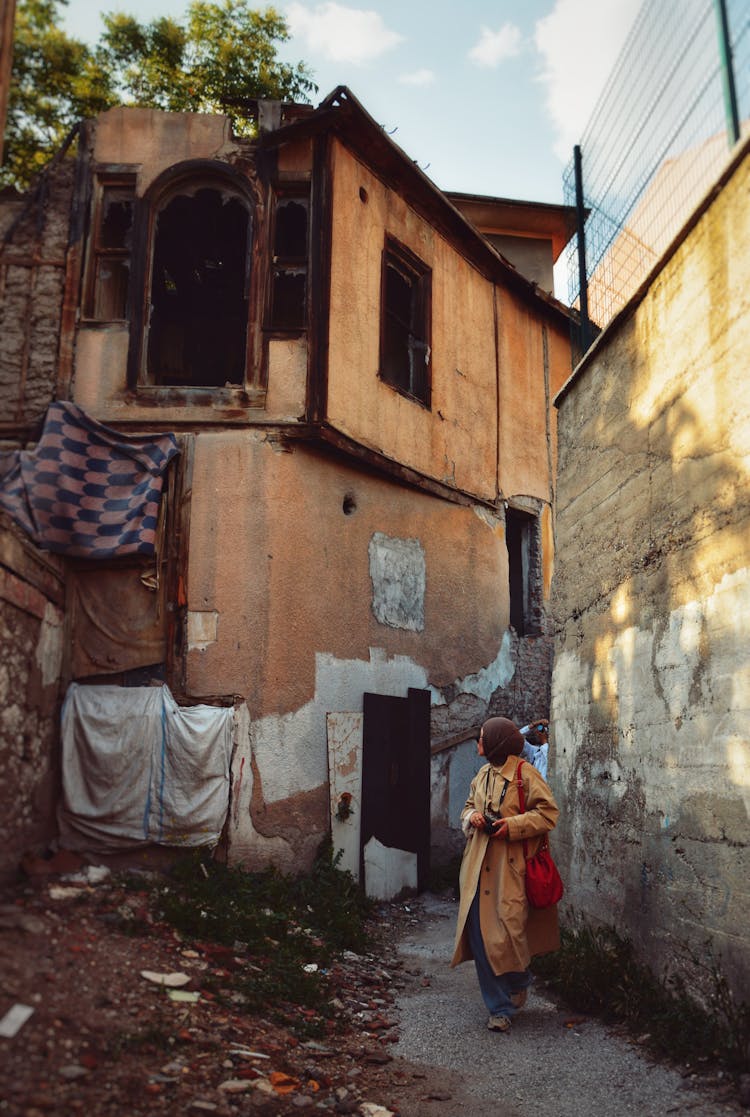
(595, 970)
(287, 929)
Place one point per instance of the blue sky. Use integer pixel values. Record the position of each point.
(487, 97)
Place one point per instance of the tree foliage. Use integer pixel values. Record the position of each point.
(217, 58)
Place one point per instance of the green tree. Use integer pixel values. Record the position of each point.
(218, 58)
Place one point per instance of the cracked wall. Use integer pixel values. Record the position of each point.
(651, 683)
(31, 636)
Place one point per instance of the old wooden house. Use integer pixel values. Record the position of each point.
(354, 548)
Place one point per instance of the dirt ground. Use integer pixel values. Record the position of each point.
(104, 1040)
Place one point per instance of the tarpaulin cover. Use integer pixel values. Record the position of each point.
(139, 768)
(85, 489)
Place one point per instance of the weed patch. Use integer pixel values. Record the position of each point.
(595, 970)
(285, 930)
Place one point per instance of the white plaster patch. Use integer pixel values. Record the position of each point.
(202, 629)
(678, 656)
(497, 674)
(388, 871)
(291, 749)
(570, 707)
(49, 648)
(345, 733)
(629, 675)
(398, 575)
(487, 517)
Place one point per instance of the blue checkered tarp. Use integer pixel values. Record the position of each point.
(85, 489)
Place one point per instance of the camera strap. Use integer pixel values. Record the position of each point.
(487, 793)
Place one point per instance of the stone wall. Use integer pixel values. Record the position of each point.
(651, 595)
(31, 636)
(33, 257)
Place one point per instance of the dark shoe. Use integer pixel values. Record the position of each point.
(518, 1000)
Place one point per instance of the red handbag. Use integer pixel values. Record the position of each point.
(544, 886)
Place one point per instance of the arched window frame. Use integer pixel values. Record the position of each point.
(191, 176)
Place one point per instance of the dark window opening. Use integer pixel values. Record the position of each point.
(199, 307)
(106, 298)
(289, 266)
(405, 322)
(524, 571)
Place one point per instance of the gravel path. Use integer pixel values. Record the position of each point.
(552, 1062)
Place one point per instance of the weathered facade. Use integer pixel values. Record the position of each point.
(651, 684)
(361, 388)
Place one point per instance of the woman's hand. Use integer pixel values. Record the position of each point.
(476, 820)
(500, 829)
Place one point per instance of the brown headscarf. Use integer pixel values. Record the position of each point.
(501, 738)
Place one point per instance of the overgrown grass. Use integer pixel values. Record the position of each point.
(595, 970)
(277, 924)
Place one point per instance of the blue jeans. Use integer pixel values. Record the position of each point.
(496, 989)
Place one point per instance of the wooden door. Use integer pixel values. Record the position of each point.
(396, 779)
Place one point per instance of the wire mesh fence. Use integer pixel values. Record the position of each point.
(658, 138)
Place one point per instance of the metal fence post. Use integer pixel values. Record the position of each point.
(583, 287)
(727, 72)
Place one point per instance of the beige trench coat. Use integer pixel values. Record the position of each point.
(512, 931)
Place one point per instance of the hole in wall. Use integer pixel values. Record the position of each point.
(363, 195)
(349, 504)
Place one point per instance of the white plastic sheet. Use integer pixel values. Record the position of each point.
(138, 768)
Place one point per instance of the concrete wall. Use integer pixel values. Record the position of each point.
(651, 685)
(31, 637)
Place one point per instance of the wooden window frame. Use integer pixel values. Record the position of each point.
(193, 175)
(419, 275)
(523, 534)
(287, 192)
(97, 252)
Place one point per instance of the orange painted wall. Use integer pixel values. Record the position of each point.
(455, 441)
(530, 375)
(273, 553)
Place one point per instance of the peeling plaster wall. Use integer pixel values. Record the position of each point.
(651, 685)
(31, 637)
(284, 613)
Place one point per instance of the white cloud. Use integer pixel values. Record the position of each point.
(341, 34)
(579, 43)
(495, 46)
(418, 77)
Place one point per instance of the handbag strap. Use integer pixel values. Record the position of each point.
(522, 805)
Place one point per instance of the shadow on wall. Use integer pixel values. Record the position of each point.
(651, 596)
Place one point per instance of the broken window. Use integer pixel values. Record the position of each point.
(198, 313)
(288, 302)
(405, 322)
(106, 297)
(524, 571)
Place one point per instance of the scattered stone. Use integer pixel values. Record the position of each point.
(236, 1086)
(171, 980)
(14, 1020)
(13, 918)
(73, 1071)
(91, 874)
(377, 1057)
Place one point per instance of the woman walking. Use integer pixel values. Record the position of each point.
(496, 927)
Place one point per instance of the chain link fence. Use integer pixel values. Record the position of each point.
(673, 108)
